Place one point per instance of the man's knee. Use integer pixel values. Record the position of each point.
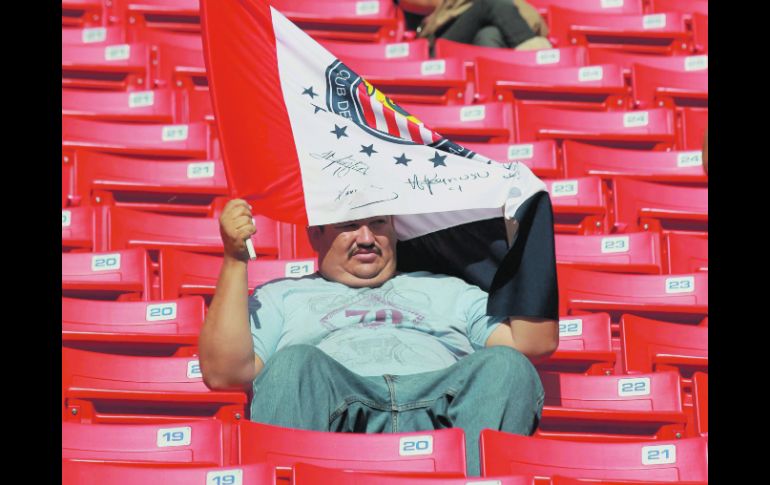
(489, 36)
(509, 369)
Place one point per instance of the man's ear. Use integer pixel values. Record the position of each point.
(313, 235)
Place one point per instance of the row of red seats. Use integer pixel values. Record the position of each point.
(437, 454)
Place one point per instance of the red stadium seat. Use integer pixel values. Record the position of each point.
(652, 128)
(662, 87)
(663, 33)
(183, 273)
(140, 328)
(585, 345)
(564, 57)
(643, 205)
(612, 408)
(108, 388)
(158, 106)
(117, 67)
(66, 177)
(180, 67)
(480, 123)
(637, 252)
(434, 81)
(579, 205)
(74, 472)
(363, 21)
(415, 50)
(187, 140)
(653, 346)
(596, 6)
(686, 254)
(541, 156)
(659, 460)
(158, 37)
(199, 443)
(626, 60)
(77, 228)
(158, 185)
(110, 275)
(684, 6)
(700, 32)
(694, 124)
(557, 480)
(93, 35)
(700, 383)
(177, 15)
(82, 13)
(441, 451)
(681, 298)
(599, 87)
(685, 167)
(303, 473)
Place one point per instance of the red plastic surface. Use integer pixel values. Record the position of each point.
(93, 35)
(541, 156)
(415, 50)
(77, 229)
(104, 66)
(626, 60)
(303, 473)
(157, 106)
(564, 57)
(663, 87)
(596, 6)
(491, 122)
(686, 254)
(106, 274)
(694, 124)
(74, 473)
(627, 253)
(700, 382)
(649, 345)
(584, 344)
(700, 32)
(680, 208)
(685, 6)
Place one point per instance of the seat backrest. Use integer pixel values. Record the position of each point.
(637, 252)
(653, 128)
(684, 459)
(686, 254)
(180, 67)
(77, 228)
(541, 156)
(177, 15)
(86, 472)
(94, 35)
(685, 6)
(700, 32)
(156, 106)
(582, 159)
(694, 124)
(184, 273)
(682, 297)
(564, 57)
(582, 195)
(596, 6)
(196, 442)
(106, 274)
(304, 473)
(82, 13)
(650, 344)
(653, 86)
(585, 343)
(683, 208)
(425, 451)
(700, 385)
(186, 140)
(626, 60)
(484, 122)
(100, 66)
(414, 50)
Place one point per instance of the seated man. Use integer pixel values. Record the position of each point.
(361, 347)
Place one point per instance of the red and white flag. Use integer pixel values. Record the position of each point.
(309, 141)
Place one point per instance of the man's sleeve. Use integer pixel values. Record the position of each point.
(266, 320)
(472, 306)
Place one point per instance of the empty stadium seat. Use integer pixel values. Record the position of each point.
(77, 228)
(441, 451)
(579, 205)
(108, 388)
(81, 13)
(158, 37)
(659, 460)
(582, 159)
(653, 346)
(641, 205)
(481, 123)
(612, 408)
(684, 6)
(177, 15)
(157, 106)
(93, 35)
(541, 156)
(700, 383)
(637, 252)
(75, 472)
(564, 57)
(183, 273)
(557, 480)
(200, 443)
(598, 87)
(158, 185)
(686, 254)
(125, 274)
(596, 6)
(663, 87)
(415, 50)
(626, 60)
(139, 328)
(434, 81)
(585, 345)
(117, 67)
(652, 128)
(681, 298)
(303, 473)
(694, 123)
(362, 21)
(152, 140)
(700, 32)
(179, 67)
(661, 33)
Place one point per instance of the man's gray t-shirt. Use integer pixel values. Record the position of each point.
(415, 322)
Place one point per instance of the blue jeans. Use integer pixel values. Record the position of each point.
(497, 387)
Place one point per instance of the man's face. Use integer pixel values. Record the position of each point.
(356, 253)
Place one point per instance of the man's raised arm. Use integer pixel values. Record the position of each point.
(227, 356)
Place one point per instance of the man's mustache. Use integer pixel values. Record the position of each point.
(356, 248)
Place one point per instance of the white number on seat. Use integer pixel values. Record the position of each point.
(141, 99)
(548, 56)
(655, 21)
(565, 188)
(225, 477)
(174, 437)
(396, 50)
(683, 284)
(473, 113)
(571, 328)
(66, 218)
(160, 312)
(105, 262)
(93, 35)
(689, 159)
(200, 170)
(617, 244)
(696, 63)
(590, 73)
(521, 152)
(636, 119)
(634, 387)
(117, 52)
(659, 455)
(299, 268)
(367, 8)
(174, 133)
(194, 370)
(415, 445)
